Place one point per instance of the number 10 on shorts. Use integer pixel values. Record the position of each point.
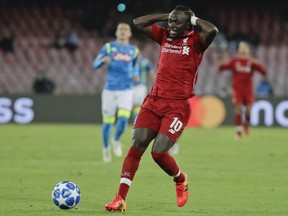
(175, 126)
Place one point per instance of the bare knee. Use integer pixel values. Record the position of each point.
(142, 138)
(162, 144)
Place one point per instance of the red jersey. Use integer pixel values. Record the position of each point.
(178, 63)
(243, 69)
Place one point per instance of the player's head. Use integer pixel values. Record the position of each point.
(179, 21)
(243, 49)
(123, 31)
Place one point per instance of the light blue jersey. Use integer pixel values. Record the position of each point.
(121, 68)
(145, 68)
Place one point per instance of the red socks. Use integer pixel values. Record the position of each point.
(131, 164)
(166, 162)
(238, 119)
(129, 168)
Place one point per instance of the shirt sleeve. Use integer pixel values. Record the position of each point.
(98, 62)
(158, 33)
(258, 67)
(226, 66)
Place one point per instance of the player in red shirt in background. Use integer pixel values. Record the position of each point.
(166, 110)
(243, 67)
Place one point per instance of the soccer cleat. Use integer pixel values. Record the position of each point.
(117, 204)
(175, 149)
(107, 155)
(117, 147)
(182, 194)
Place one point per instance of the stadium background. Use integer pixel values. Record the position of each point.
(60, 39)
(226, 178)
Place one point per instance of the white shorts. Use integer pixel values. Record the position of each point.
(139, 94)
(114, 100)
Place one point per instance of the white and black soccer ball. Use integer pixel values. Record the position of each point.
(66, 195)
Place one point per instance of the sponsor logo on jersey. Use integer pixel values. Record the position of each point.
(122, 57)
(169, 48)
(246, 68)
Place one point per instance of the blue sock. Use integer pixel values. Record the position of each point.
(121, 125)
(106, 132)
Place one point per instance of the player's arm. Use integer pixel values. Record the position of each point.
(144, 23)
(102, 58)
(208, 30)
(225, 65)
(256, 65)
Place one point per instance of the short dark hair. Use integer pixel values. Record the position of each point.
(185, 9)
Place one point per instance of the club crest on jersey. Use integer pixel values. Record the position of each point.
(185, 50)
(122, 57)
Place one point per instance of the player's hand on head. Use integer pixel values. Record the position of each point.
(106, 59)
(191, 13)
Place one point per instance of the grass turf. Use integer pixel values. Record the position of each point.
(248, 177)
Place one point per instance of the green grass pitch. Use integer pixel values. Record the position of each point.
(248, 177)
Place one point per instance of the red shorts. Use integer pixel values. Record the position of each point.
(242, 98)
(165, 116)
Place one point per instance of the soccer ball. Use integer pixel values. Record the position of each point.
(66, 195)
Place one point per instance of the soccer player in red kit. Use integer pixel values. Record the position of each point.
(166, 110)
(243, 68)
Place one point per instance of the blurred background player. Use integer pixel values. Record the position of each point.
(166, 110)
(243, 67)
(120, 57)
(140, 88)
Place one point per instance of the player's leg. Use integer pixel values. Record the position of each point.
(124, 101)
(108, 118)
(167, 163)
(238, 121)
(142, 136)
(249, 101)
(172, 126)
(247, 118)
(160, 154)
(141, 139)
(120, 126)
(237, 102)
(106, 132)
